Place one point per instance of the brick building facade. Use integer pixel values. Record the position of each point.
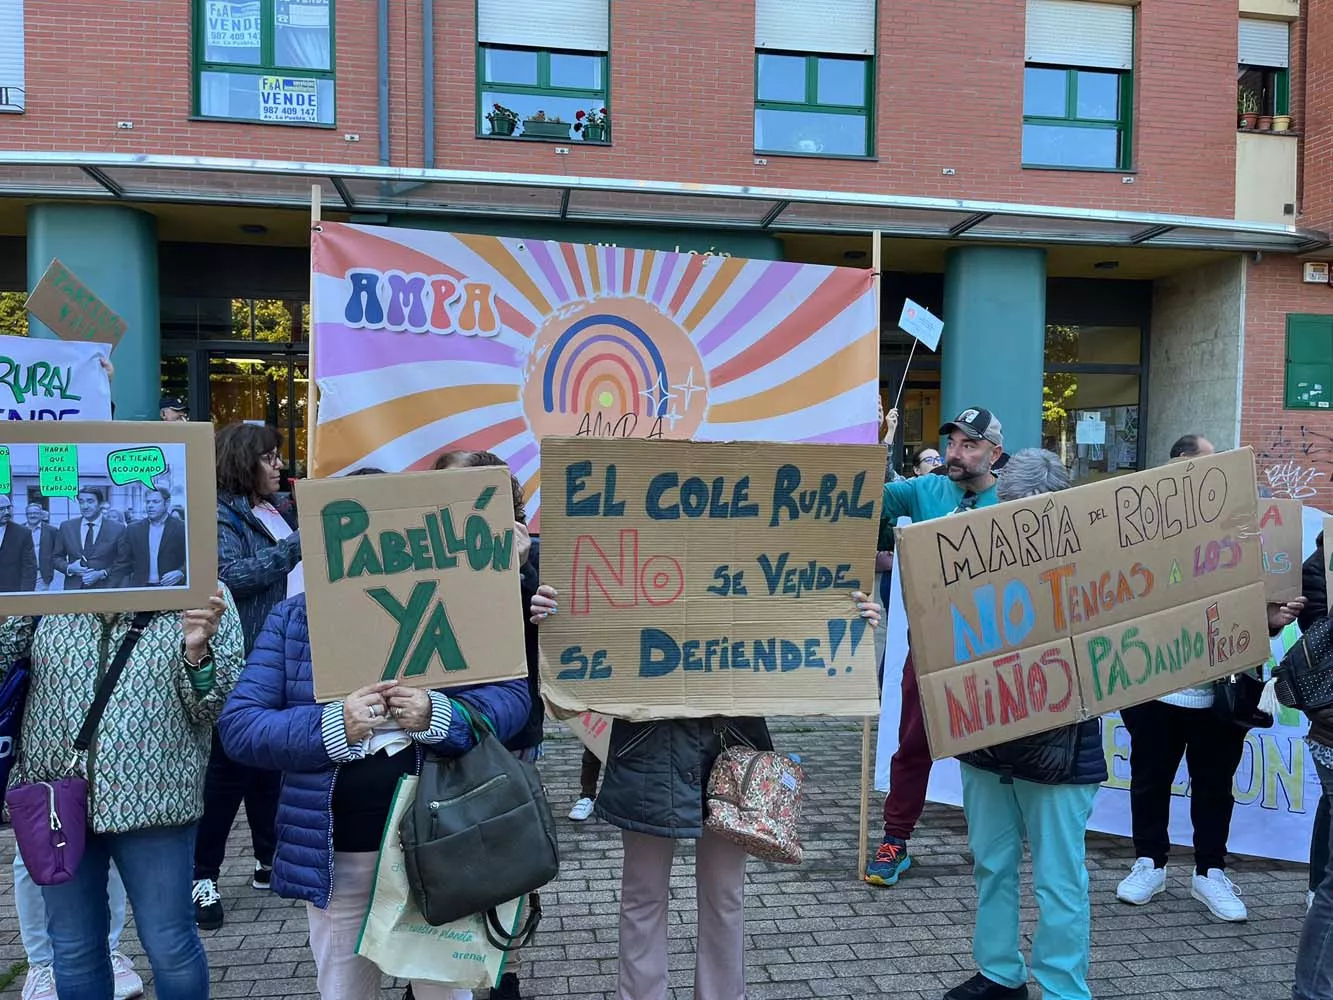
(1163, 247)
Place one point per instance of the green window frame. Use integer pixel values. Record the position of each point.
(1272, 83)
(573, 99)
(286, 78)
(811, 104)
(1122, 124)
(1309, 362)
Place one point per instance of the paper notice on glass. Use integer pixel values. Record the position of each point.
(1090, 431)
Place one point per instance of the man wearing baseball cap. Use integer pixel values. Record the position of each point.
(974, 451)
(172, 409)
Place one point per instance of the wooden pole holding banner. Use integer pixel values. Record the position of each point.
(864, 826)
(311, 391)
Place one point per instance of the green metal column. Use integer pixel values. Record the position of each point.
(992, 349)
(112, 250)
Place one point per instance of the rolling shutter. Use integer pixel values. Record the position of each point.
(843, 27)
(578, 25)
(1079, 33)
(1265, 43)
(11, 55)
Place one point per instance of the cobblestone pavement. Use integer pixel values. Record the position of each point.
(813, 931)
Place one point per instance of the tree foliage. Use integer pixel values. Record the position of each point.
(13, 317)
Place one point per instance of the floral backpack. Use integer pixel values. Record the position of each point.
(754, 800)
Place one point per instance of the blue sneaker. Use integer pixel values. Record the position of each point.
(891, 860)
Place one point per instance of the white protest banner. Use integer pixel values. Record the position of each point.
(288, 99)
(1276, 787)
(232, 25)
(43, 379)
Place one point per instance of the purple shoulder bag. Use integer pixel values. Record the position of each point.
(50, 818)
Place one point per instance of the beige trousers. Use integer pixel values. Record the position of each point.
(645, 891)
(340, 973)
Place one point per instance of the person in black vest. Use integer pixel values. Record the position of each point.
(18, 565)
(43, 545)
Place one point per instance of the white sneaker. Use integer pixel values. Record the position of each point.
(581, 811)
(128, 983)
(1143, 882)
(1220, 895)
(40, 984)
(1309, 900)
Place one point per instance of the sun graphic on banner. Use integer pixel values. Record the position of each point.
(614, 367)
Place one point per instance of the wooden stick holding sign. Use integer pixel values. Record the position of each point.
(876, 265)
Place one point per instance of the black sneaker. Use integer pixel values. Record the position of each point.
(263, 877)
(981, 988)
(507, 988)
(207, 904)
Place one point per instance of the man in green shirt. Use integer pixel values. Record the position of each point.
(966, 480)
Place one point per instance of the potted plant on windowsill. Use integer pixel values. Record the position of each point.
(1265, 123)
(593, 125)
(502, 120)
(1247, 103)
(541, 127)
(1282, 123)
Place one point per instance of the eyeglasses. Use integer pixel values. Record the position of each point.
(931, 460)
(271, 458)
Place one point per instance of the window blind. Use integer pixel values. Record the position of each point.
(578, 25)
(1265, 43)
(11, 55)
(1080, 33)
(841, 27)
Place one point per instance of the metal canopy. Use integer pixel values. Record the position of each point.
(368, 189)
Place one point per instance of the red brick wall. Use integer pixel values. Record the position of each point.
(949, 95)
(1297, 445)
(1314, 115)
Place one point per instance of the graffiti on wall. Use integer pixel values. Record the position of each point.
(1294, 461)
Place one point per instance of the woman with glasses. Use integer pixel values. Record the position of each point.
(259, 559)
(926, 461)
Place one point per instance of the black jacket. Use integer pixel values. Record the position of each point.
(656, 774)
(1070, 755)
(132, 564)
(529, 577)
(1315, 590)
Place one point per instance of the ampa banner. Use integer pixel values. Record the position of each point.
(43, 379)
(426, 342)
(1276, 787)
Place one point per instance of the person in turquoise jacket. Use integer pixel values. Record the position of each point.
(966, 480)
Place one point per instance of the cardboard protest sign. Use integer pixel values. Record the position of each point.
(709, 579)
(43, 379)
(411, 577)
(71, 310)
(1280, 530)
(593, 731)
(123, 513)
(1032, 614)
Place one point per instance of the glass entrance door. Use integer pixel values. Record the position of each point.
(262, 387)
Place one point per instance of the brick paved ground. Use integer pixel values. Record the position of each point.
(813, 931)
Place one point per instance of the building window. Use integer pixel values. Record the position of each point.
(1092, 398)
(1263, 80)
(814, 79)
(1309, 374)
(11, 57)
(812, 104)
(266, 61)
(1078, 85)
(550, 93)
(544, 77)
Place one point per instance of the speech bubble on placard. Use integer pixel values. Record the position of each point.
(5, 484)
(136, 465)
(58, 470)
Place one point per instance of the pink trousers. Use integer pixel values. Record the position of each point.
(645, 895)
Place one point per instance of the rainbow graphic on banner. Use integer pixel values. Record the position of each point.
(426, 342)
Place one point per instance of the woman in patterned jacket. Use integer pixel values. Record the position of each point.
(145, 773)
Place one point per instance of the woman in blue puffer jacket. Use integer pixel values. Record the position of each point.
(341, 763)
